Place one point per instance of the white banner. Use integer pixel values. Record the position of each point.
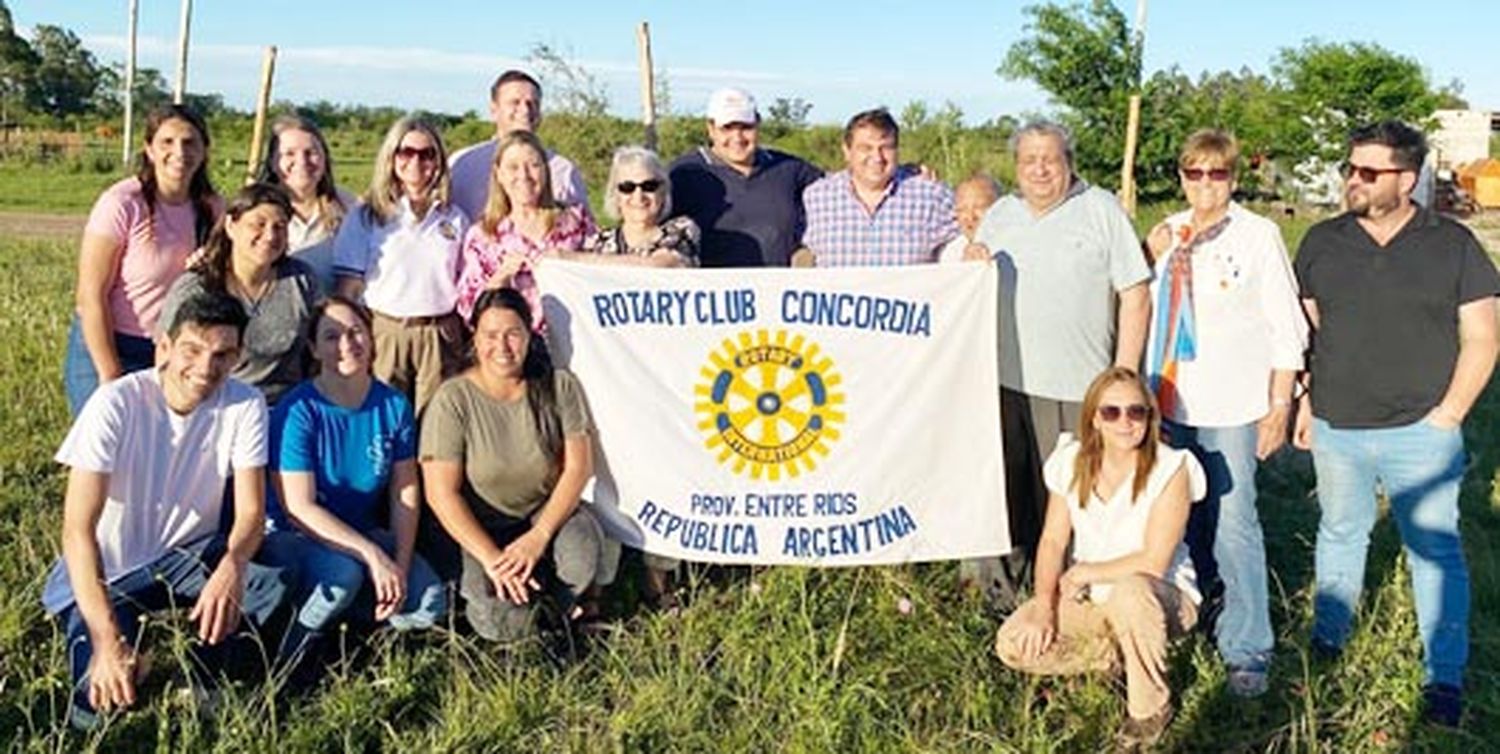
(811, 417)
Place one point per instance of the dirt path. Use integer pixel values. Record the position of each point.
(33, 225)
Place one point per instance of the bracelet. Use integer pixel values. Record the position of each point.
(1281, 403)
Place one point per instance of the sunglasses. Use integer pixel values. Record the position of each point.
(425, 154)
(1218, 175)
(628, 187)
(1366, 174)
(1135, 412)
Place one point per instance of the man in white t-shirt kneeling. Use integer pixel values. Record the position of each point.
(149, 458)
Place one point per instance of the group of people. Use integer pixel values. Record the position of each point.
(267, 392)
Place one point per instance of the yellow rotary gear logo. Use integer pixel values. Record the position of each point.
(769, 404)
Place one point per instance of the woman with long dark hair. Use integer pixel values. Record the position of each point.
(245, 257)
(297, 159)
(1120, 499)
(505, 452)
(138, 238)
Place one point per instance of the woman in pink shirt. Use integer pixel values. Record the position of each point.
(521, 222)
(137, 241)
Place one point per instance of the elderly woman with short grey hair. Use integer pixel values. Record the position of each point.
(639, 196)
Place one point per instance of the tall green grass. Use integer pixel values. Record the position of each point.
(783, 659)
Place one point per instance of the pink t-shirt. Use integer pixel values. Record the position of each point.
(483, 252)
(152, 251)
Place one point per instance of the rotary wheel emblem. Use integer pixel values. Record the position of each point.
(768, 404)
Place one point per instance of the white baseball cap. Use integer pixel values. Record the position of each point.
(731, 105)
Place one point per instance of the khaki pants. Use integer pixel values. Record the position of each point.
(415, 354)
(1129, 631)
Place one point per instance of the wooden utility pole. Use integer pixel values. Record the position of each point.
(648, 83)
(128, 132)
(180, 88)
(262, 104)
(1133, 119)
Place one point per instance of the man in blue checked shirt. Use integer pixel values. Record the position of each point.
(872, 214)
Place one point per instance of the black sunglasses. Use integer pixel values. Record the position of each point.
(425, 154)
(1136, 412)
(1214, 174)
(1366, 174)
(628, 187)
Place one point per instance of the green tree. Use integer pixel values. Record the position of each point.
(1081, 55)
(17, 67)
(150, 90)
(785, 115)
(66, 76)
(1331, 88)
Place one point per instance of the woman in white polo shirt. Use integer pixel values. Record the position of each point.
(1226, 340)
(400, 252)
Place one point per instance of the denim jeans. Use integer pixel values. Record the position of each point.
(80, 380)
(173, 580)
(1421, 467)
(1225, 538)
(330, 581)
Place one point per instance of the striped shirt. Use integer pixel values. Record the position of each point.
(912, 221)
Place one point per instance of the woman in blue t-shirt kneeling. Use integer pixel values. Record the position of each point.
(341, 442)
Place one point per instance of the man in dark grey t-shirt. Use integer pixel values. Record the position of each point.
(1402, 301)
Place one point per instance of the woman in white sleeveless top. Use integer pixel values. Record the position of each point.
(1120, 497)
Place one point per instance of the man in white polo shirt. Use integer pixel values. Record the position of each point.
(149, 457)
(515, 105)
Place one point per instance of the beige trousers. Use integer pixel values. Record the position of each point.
(415, 355)
(1129, 631)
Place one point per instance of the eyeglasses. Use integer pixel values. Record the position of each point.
(1366, 173)
(649, 186)
(425, 154)
(1218, 175)
(1135, 412)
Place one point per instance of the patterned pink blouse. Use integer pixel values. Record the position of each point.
(482, 254)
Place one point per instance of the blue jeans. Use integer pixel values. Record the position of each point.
(330, 581)
(1421, 467)
(1225, 538)
(173, 580)
(80, 380)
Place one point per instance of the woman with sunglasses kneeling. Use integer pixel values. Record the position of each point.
(1121, 498)
(505, 452)
(342, 443)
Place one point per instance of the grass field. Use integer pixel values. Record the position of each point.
(782, 659)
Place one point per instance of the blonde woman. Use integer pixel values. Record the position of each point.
(400, 253)
(522, 222)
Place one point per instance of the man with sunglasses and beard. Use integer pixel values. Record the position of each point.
(1402, 302)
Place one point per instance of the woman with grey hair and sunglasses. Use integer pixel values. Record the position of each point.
(639, 196)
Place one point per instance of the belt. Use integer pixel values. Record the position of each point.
(424, 321)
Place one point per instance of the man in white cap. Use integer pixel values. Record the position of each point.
(515, 105)
(746, 199)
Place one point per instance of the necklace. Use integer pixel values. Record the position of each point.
(252, 300)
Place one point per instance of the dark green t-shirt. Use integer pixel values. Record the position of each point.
(506, 469)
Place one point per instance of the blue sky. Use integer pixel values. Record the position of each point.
(841, 56)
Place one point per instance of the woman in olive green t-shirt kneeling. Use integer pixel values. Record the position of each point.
(505, 453)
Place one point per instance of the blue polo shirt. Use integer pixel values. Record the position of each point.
(753, 220)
